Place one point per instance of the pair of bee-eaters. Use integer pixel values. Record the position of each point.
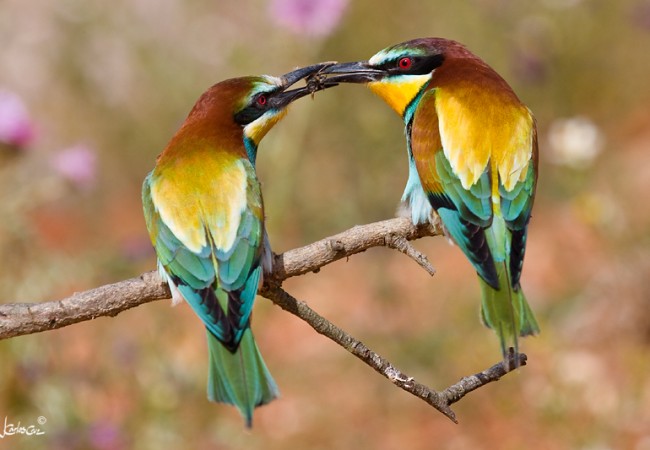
(472, 155)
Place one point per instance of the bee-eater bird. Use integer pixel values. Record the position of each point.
(472, 152)
(204, 212)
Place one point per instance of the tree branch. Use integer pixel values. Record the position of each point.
(439, 400)
(17, 319)
(360, 238)
(468, 384)
(25, 318)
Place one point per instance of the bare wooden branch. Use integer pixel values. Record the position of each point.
(401, 244)
(357, 239)
(357, 348)
(439, 400)
(24, 318)
(468, 384)
(17, 319)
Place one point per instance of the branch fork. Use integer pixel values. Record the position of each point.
(18, 319)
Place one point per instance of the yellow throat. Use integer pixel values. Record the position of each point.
(399, 91)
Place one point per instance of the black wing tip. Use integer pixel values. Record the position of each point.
(480, 253)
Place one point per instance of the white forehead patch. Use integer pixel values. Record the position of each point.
(378, 58)
(275, 81)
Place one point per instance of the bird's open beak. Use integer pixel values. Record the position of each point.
(315, 82)
(293, 77)
(352, 72)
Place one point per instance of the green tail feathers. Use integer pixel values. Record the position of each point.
(241, 378)
(506, 311)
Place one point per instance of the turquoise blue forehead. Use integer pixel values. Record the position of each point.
(394, 53)
(265, 84)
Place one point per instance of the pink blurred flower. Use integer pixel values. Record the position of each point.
(310, 17)
(77, 164)
(641, 15)
(16, 127)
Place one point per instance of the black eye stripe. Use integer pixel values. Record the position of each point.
(249, 114)
(254, 110)
(420, 64)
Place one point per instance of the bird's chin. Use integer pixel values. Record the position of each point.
(399, 92)
(257, 129)
(391, 94)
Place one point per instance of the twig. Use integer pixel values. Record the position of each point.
(401, 244)
(439, 400)
(468, 384)
(358, 349)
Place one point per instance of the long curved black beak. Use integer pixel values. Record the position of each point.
(290, 78)
(353, 72)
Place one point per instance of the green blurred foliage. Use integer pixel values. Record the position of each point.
(121, 76)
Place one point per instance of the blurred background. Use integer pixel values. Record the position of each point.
(90, 93)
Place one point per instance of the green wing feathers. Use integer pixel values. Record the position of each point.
(467, 215)
(489, 226)
(221, 285)
(496, 252)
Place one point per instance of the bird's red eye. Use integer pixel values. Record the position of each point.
(261, 100)
(405, 63)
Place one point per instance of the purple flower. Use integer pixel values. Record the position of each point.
(310, 17)
(77, 164)
(16, 127)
